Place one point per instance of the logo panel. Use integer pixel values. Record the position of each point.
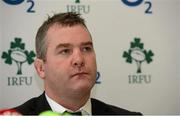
(137, 54)
(18, 55)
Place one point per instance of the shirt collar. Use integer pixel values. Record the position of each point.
(85, 110)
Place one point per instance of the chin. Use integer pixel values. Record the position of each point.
(84, 87)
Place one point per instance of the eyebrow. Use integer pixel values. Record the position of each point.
(87, 43)
(65, 45)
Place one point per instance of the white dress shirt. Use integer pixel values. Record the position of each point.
(85, 110)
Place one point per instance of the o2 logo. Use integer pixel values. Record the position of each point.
(134, 3)
(30, 8)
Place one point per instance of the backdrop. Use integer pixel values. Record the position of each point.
(136, 43)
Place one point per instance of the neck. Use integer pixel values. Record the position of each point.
(71, 102)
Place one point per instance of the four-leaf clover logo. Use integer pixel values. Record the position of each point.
(138, 54)
(18, 54)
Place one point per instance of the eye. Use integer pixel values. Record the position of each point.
(65, 51)
(87, 49)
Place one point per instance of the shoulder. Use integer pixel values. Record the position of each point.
(33, 106)
(101, 108)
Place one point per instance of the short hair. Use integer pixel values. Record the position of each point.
(63, 19)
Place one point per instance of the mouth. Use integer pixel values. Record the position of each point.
(80, 74)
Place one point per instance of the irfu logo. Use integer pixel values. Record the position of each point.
(18, 54)
(138, 54)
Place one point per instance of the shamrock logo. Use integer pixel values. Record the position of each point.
(77, 1)
(18, 54)
(138, 54)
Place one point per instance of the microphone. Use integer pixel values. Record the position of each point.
(12, 112)
(9, 112)
(51, 113)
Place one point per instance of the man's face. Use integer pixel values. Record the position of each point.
(70, 65)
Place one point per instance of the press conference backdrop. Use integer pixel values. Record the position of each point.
(121, 29)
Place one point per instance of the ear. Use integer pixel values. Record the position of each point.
(39, 66)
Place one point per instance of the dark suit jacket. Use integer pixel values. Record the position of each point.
(39, 104)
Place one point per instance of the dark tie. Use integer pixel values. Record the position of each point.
(74, 113)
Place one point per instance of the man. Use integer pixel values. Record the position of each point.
(66, 61)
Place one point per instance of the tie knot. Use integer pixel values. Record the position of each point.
(74, 113)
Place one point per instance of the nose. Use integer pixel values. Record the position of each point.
(78, 59)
